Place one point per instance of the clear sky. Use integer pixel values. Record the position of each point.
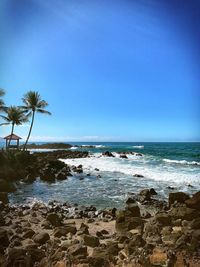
(111, 70)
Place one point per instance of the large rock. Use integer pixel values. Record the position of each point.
(126, 222)
(64, 230)
(183, 213)
(134, 209)
(41, 238)
(77, 250)
(194, 201)
(4, 241)
(61, 176)
(91, 241)
(135, 242)
(4, 197)
(163, 218)
(179, 197)
(108, 154)
(6, 186)
(54, 219)
(99, 258)
(17, 257)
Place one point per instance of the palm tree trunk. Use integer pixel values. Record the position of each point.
(32, 121)
(13, 125)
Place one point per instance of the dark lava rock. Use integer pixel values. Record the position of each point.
(179, 197)
(61, 176)
(134, 209)
(83, 229)
(77, 250)
(108, 154)
(163, 218)
(41, 238)
(64, 230)
(29, 233)
(99, 258)
(194, 201)
(138, 175)
(122, 156)
(91, 241)
(4, 197)
(54, 219)
(4, 241)
(136, 241)
(183, 213)
(6, 186)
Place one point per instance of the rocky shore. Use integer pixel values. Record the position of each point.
(27, 167)
(146, 233)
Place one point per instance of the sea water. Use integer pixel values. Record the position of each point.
(166, 167)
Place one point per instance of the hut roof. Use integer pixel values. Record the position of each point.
(12, 137)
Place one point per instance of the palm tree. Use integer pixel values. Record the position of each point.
(2, 93)
(33, 103)
(14, 116)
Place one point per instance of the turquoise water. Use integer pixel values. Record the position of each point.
(163, 165)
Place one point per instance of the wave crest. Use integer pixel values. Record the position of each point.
(182, 162)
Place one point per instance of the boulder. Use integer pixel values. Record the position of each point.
(195, 224)
(64, 230)
(54, 219)
(126, 222)
(61, 176)
(47, 175)
(83, 229)
(6, 186)
(107, 154)
(134, 209)
(183, 213)
(145, 195)
(4, 241)
(163, 218)
(99, 258)
(135, 242)
(4, 197)
(91, 241)
(123, 156)
(29, 233)
(41, 238)
(77, 250)
(17, 257)
(36, 254)
(179, 197)
(194, 201)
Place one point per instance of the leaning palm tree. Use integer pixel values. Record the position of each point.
(33, 103)
(14, 116)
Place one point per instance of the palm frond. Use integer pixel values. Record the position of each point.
(5, 123)
(43, 111)
(2, 92)
(33, 102)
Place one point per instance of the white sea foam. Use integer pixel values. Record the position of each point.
(182, 162)
(138, 146)
(73, 147)
(139, 166)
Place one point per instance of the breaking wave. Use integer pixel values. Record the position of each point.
(182, 162)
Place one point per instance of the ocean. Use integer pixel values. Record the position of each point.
(166, 167)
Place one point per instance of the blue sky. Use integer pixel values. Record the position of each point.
(111, 70)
